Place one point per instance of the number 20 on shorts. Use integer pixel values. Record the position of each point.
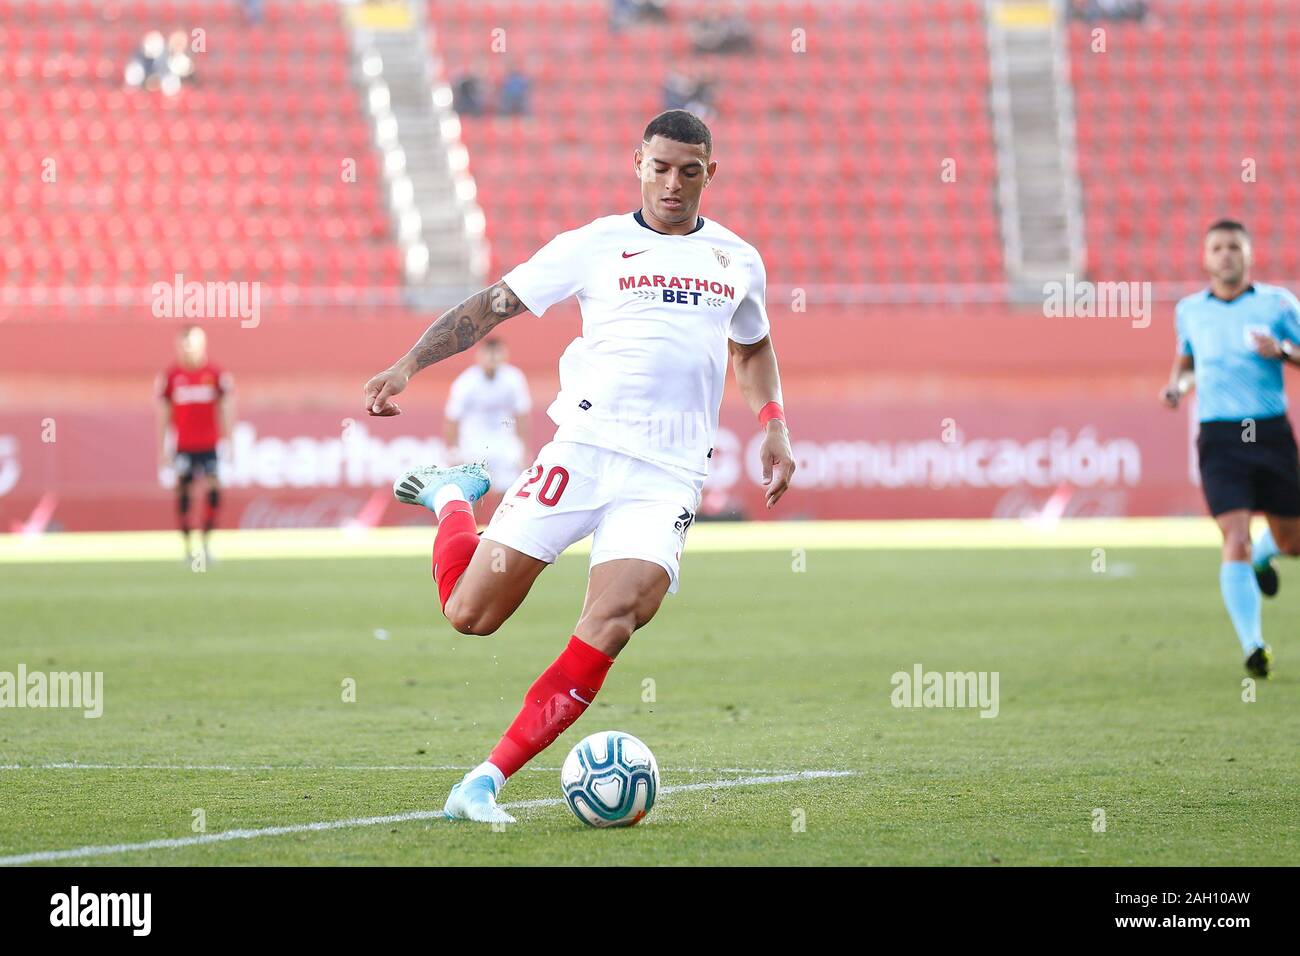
(557, 479)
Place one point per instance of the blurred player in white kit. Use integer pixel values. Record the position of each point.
(487, 418)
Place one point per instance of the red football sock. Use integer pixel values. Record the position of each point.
(555, 701)
(453, 546)
(210, 516)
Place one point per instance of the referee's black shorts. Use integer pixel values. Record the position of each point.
(1260, 475)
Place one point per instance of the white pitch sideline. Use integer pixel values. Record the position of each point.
(175, 843)
(329, 768)
(706, 536)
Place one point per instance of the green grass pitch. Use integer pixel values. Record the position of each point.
(1119, 692)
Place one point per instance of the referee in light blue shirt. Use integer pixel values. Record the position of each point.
(1237, 335)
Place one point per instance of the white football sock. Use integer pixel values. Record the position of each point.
(489, 768)
(445, 496)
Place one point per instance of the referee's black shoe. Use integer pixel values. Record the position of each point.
(1259, 662)
(1267, 578)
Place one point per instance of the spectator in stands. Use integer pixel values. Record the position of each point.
(148, 63)
(722, 33)
(469, 95)
(623, 13)
(701, 103)
(1090, 10)
(513, 98)
(678, 88)
(161, 64)
(690, 92)
(180, 65)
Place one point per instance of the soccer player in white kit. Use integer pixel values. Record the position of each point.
(666, 296)
(485, 414)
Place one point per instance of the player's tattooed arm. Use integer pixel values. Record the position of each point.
(455, 330)
(462, 326)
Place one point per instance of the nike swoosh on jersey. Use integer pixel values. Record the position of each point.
(629, 255)
(573, 692)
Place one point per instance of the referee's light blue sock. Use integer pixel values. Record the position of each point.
(1241, 598)
(1264, 549)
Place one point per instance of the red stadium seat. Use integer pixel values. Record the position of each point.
(148, 183)
(1160, 157)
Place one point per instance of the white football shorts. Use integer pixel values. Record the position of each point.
(634, 508)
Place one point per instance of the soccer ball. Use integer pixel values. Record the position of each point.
(610, 779)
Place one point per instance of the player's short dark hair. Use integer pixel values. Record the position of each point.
(492, 342)
(681, 126)
(1228, 225)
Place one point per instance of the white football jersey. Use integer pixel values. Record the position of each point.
(484, 408)
(645, 377)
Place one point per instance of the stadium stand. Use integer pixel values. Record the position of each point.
(1167, 116)
(238, 176)
(853, 175)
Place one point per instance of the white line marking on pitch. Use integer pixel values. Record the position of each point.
(225, 836)
(221, 767)
(253, 768)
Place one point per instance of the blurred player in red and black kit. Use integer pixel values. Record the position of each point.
(194, 399)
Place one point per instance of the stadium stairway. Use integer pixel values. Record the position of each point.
(1033, 120)
(431, 194)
